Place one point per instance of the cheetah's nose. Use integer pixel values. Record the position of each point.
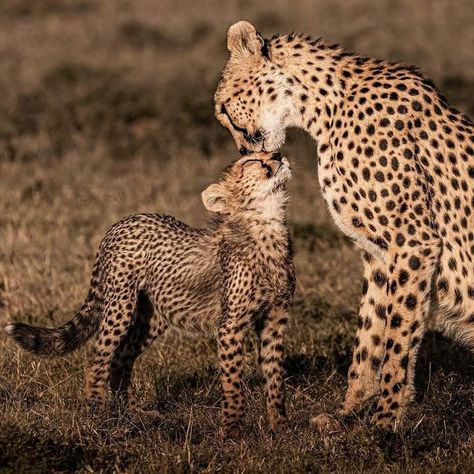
(255, 138)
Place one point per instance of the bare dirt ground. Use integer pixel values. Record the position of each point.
(106, 110)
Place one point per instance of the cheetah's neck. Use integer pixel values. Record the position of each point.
(314, 80)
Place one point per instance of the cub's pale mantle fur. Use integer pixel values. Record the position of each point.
(153, 272)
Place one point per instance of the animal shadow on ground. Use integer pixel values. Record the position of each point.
(20, 450)
(442, 415)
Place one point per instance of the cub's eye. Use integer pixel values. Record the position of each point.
(268, 170)
(251, 161)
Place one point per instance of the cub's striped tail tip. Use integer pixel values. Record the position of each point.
(9, 329)
(52, 342)
(29, 338)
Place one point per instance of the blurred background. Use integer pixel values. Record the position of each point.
(107, 110)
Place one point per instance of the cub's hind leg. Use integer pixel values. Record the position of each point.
(368, 351)
(119, 307)
(146, 327)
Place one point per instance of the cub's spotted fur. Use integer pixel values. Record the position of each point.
(152, 272)
(396, 167)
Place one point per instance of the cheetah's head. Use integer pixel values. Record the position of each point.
(251, 99)
(255, 184)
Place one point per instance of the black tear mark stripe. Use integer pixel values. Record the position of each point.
(267, 168)
(234, 126)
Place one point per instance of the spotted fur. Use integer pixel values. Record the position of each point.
(153, 272)
(396, 168)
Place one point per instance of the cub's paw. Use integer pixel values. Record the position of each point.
(357, 400)
(97, 405)
(277, 422)
(326, 424)
(345, 411)
(231, 431)
(144, 413)
(386, 421)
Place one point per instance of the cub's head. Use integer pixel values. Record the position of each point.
(255, 184)
(252, 99)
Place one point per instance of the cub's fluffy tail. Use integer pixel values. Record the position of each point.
(64, 339)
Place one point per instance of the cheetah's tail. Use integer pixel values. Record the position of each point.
(64, 339)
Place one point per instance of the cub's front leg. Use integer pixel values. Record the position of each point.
(271, 359)
(237, 308)
(230, 342)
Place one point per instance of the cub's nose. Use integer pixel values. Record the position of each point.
(277, 156)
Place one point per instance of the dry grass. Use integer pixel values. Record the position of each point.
(107, 110)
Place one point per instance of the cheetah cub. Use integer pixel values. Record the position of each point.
(153, 272)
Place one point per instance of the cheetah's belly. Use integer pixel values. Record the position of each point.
(358, 236)
(186, 304)
(195, 314)
(184, 287)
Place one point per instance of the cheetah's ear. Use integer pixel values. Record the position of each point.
(242, 38)
(214, 198)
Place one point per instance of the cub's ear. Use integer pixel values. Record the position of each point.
(242, 38)
(214, 198)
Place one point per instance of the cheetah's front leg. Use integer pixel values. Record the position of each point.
(410, 274)
(368, 351)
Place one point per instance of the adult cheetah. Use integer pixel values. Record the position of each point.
(153, 272)
(396, 168)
